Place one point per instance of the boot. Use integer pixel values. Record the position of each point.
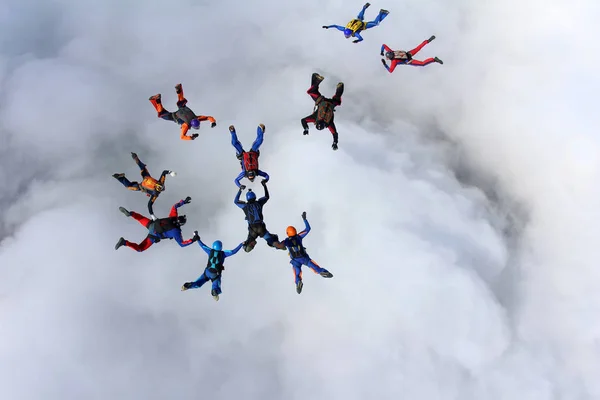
(178, 88)
(124, 211)
(262, 126)
(326, 274)
(214, 295)
(155, 99)
(431, 39)
(385, 12)
(316, 79)
(120, 243)
(367, 5)
(299, 286)
(117, 176)
(186, 286)
(437, 60)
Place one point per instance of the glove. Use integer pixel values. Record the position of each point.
(172, 173)
(187, 200)
(355, 41)
(264, 181)
(334, 146)
(325, 27)
(242, 187)
(304, 215)
(231, 128)
(383, 62)
(194, 136)
(381, 53)
(196, 236)
(213, 124)
(305, 132)
(153, 217)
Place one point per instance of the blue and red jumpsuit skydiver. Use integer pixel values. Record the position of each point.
(400, 57)
(248, 159)
(298, 254)
(184, 116)
(357, 25)
(162, 228)
(214, 267)
(322, 115)
(253, 209)
(149, 185)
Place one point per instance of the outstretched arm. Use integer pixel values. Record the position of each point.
(263, 174)
(213, 122)
(237, 201)
(232, 252)
(151, 203)
(184, 129)
(239, 178)
(266, 197)
(339, 28)
(203, 246)
(179, 239)
(173, 212)
(358, 38)
(384, 47)
(306, 226)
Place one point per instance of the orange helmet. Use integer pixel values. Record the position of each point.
(291, 231)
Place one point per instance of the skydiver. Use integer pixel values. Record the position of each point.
(162, 228)
(149, 185)
(357, 25)
(298, 254)
(253, 209)
(249, 159)
(184, 116)
(214, 267)
(400, 57)
(322, 115)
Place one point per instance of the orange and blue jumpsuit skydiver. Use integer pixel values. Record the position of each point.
(162, 228)
(357, 25)
(298, 254)
(406, 57)
(149, 185)
(184, 116)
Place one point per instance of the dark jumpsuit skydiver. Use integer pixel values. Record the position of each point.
(298, 254)
(214, 267)
(357, 25)
(400, 57)
(149, 185)
(322, 115)
(248, 159)
(253, 209)
(162, 228)
(184, 116)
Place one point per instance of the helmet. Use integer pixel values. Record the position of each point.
(251, 175)
(320, 125)
(250, 196)
(181, 220)
(159, 187)
(348, 32)
(389, 55)
(217, 245)
(291, 231)
(195, 124)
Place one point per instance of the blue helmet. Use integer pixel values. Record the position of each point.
(250, 196)
(347, 32)
(195, 124)
(217, 245)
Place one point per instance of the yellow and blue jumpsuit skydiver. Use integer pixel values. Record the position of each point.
(214, 267)
(298, 254)
(357, 25)
(184, 116)
(149, 185)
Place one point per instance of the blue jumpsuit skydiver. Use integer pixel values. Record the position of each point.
(357, 25)
(254, 215)
(214, 268)
(298, 254)
(248, 159)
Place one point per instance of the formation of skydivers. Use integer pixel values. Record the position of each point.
(322, 117)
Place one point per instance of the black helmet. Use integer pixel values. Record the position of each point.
(181, 220)
(320, 125)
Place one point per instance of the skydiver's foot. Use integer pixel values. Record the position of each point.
(134, 156)
(262, 126)
(334, 146)
(437, 60)
(305, 132)
(124, 211)
(215, 295)
(178, 88)
(249, 246)
(117, 176)
(326, 274)
(120, 243)
(231, 128)
(385, 12)
(299, 286)
(316, 79)
(186, 286)
(431, 39)
(155, 98)
(339, 90)
(367, 5)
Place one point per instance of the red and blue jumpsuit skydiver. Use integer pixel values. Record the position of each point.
(253, 209)
(357, 25)
(184, 116)
(248, 159)
(298, 254)
(400, 57)
(162, 228)
(214, 267)
(149, 185)
(322, 115)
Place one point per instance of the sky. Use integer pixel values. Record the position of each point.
(459, 216)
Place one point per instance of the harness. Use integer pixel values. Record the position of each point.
(215, 263)
(160, 226)
(324, 108)
(295, 248)
(148, 184)
(184, 115)
(355, 25)
(250, 160)
(402, 55)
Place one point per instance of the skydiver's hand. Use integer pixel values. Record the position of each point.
(172, 173)
(242, 187)
(355, 41)
(304, 215)
(381, 53)
(187, 200)
(194, 136)
(231, 128)
(305, 132)
(383, 62)
(213, 124)
(264, 182)
(334, 146)
(153, 217)
(325, 27)
(196, 236)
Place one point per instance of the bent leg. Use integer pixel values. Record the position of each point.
(181, 100)
(142, 246)
(236, 144)
(337, 97)
(129, 185)
(140, 218)
(259, 139)
(310, 119)
(380, 17)
(418, 63)
(315, 267)
(361, 14)
(418, 48)
(297, 270)
(199, 282)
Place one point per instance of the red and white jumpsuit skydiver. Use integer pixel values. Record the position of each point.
(184, 116)
(400, 57)
(322, 115)
(298, 254)
(248, 159)
(149, 185)
(162, 228)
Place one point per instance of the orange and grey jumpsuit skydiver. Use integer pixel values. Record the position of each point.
(184, 116)
(149, 185)
(298, 254)
(322, 115)
(406, 57)
(357, 25)
(162, 228)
